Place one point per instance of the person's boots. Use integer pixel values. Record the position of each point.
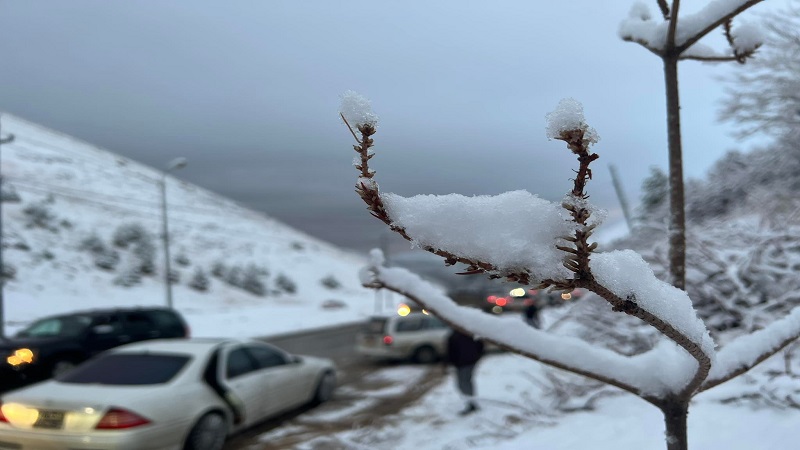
(470, 408)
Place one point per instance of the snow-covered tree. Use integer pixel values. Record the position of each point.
(674, 38)
(546, 245)
(764, 96)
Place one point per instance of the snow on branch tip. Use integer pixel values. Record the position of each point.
(357, 110)
(568, 116)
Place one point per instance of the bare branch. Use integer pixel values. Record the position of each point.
(349, 128)
(709, 58)
(664, 7)
(673, 24)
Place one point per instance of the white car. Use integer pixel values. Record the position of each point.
(163, 394)
(416, 336)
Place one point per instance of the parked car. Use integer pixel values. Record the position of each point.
(186, 394)
(416, 336)
(56, 344)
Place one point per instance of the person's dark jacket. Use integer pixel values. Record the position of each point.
(463, 350)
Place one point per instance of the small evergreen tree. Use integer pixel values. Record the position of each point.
(199, 281)
(252, 282)
(285, 284)
(331, 282)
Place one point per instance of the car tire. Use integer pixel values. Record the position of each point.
(209, 433)
(325, 388)
(425, 355)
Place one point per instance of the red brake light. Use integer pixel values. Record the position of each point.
(117, 419)
(388, 340)
(491, 299)
(2, 417)
(502, 301)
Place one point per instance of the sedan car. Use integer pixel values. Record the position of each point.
(163, 394)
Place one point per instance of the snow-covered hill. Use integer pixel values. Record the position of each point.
(75, 199)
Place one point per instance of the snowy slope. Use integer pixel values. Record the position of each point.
(88, 191)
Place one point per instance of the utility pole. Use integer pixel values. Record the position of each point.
(177, 163)
(7, 140)
(623, 202)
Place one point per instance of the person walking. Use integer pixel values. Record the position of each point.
(531, 315)
(463, 352)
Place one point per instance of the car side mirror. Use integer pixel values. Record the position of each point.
(294, 359)
(102, 329)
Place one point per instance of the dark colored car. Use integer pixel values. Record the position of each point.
(55, 344)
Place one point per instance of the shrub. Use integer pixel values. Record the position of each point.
(199, 281)
(129, 233)
(39, 216)
(331, 282)
(285, 284)
(252, 282)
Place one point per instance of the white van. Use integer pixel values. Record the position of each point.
(417, 336)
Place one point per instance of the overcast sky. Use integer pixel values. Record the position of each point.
(248, 92)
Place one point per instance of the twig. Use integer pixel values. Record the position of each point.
(349, 128)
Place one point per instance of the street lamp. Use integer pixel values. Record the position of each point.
(175, 164)
(8, 139)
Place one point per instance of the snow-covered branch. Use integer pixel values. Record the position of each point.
(678, 36)
(635, 374)
(744, 353)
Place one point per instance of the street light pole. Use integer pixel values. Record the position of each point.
(8, 139)
(177, 163)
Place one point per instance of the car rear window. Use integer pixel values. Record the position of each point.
(127, 369)
(376, 325)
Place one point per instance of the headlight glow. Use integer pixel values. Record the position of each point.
(20, 356)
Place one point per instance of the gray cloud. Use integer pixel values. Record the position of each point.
(248, 92)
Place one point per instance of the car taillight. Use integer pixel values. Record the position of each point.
(502, 301)
(388, 340)
(2, 416)
(491, 299)
(118, 418)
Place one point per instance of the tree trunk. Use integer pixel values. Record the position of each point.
(677, 216)
(675, 414)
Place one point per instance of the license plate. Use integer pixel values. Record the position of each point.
(49, 419)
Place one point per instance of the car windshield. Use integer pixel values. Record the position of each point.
(66, 326)
(127, 369)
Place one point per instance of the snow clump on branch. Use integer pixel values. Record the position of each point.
(568, 116)
(357, 110)
(747, 38)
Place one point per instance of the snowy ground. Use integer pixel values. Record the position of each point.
(516, 414)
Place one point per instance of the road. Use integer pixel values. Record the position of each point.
(361, 398)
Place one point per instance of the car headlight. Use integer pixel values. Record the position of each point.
(20, 356)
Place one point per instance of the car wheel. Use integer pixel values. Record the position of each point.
(325, 388)
(425, 355)
(62, 367)
(209, 433)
